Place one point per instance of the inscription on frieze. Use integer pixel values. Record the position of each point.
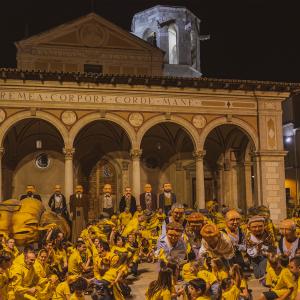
(95, 98)
(90, 98)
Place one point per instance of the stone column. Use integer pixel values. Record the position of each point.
(200, 190)
(1, 156)
(248, 184)
(136, 173)
(69, 189)
(272, 176)
(220, 194)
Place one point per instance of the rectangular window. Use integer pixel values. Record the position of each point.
(92, 68)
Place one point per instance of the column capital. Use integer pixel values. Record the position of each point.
(199, 154)
(2, 150)
(68, 152)
(136, 153)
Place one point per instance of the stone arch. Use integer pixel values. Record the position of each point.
(12, 120)
(187, 126)
(108, 117)
(244, 126)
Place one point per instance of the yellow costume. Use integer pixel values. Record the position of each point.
(75, 264)
(160, 295)
(24, 278)
(4, 279)
(187, 272)
(61, 291)
(232, 294)
(125, 218)
(207, 276)
(284, 283)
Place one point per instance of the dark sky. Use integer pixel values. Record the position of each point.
(249, 39)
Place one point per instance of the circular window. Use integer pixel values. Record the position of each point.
(42, 161)
(151, 162)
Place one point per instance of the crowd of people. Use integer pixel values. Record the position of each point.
(199, 254)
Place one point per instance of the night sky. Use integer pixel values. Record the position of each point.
(257, 40)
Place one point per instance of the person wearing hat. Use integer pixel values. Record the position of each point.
(216, 243)
(58, 204)
(148, 199)
(289, 243)
(30, 193)
(258, 242)
(79, 207)
(236, 235)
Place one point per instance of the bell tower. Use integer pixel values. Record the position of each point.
(176, 31)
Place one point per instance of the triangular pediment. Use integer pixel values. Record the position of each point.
(88, 31)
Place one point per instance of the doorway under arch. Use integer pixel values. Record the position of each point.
(229, 170)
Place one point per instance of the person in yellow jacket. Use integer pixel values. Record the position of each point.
(62, 291)
(102, 262)
(11, 248)
(125, 217)
(162, 287)
(5, 264)
(294, 267)
(285, 285)
(76, 266)
(25, 281)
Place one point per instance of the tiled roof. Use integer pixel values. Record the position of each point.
(197, 83)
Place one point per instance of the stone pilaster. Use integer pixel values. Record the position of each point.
(272, 190)
(136, 173)
(200, 190)
(68, 152)
(1, 155)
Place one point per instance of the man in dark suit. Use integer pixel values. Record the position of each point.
(167, 198)
(128, 201)
(148, 200)
(30, 193)
(57, 203)
(79, 208)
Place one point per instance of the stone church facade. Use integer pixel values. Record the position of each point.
(128, 125)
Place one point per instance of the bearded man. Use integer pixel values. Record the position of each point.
(127, 201)
(167, 198)
(79, 208)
